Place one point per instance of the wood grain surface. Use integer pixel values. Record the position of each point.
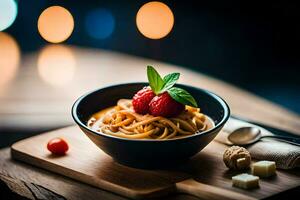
(27, 190)
(31, 100)
(54, 183)
(87, 163)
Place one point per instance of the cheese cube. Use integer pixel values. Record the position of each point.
(245, 181)
(264, 168)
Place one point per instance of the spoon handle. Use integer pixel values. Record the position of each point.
(274, 130)
(291, 140)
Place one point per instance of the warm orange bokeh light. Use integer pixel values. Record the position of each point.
(55, 24)
(56, 65)
(155, 20)
(9, 58)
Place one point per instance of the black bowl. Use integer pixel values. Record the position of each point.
(148, 153)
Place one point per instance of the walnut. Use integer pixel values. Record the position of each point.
(237, 158)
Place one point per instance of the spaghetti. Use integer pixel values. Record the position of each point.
(122, 121)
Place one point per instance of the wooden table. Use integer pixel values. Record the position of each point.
(41, 95)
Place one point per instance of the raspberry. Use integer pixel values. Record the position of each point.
(142, 99)
(163, 105)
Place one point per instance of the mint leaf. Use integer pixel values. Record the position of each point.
(182, 96)
(170, 80)
(155, 81)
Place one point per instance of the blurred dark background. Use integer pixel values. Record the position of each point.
(252, 44)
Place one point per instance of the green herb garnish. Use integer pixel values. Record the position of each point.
(159, 85)
(170, 80)
(182, 96)
(155, 81)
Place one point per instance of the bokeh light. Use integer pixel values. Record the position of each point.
(9, 58)
(99, 23)
(155, 20)
(8, 13)
(55, 24)
(56, 65)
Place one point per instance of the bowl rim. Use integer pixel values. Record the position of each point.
(215, 96)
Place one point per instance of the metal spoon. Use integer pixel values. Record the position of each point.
(250, 135)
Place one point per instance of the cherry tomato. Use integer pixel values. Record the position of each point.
(58, 146)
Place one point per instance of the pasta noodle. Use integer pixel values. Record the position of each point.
(122, 121)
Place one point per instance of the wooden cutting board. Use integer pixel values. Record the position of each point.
(204, 175)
